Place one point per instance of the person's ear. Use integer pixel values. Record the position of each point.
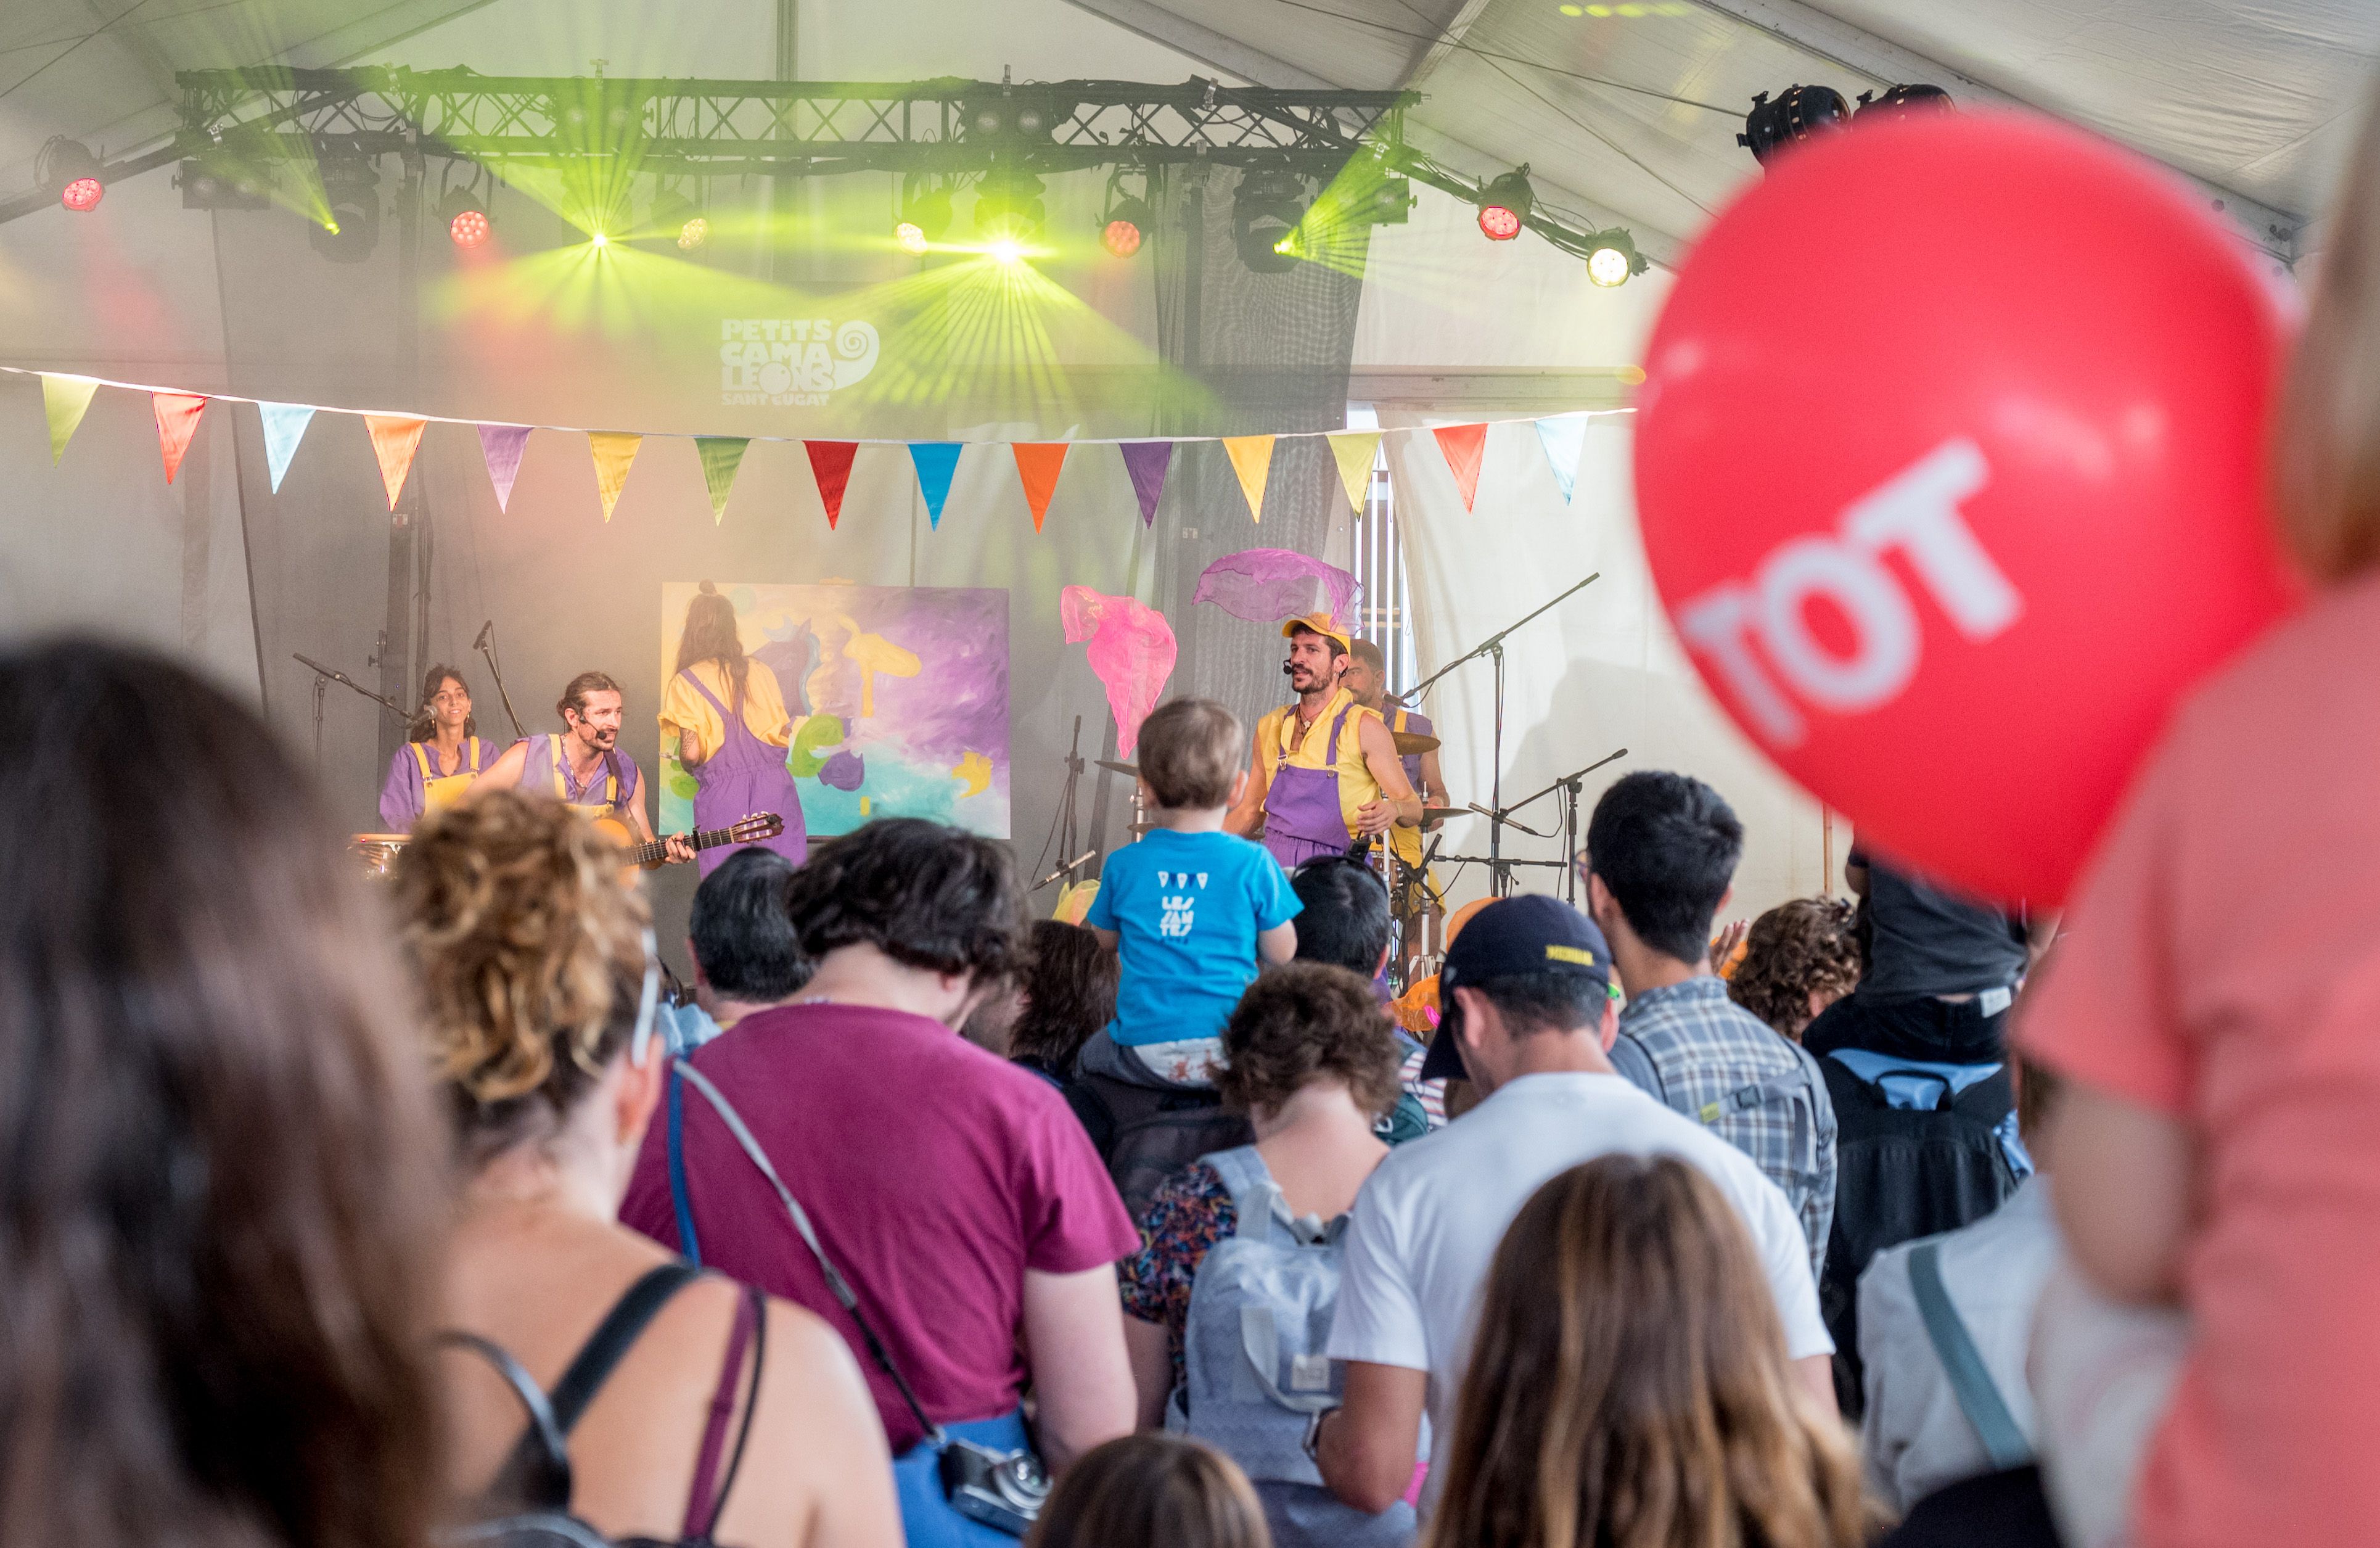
(1724, 899)
(639, 1093)
(1382, 964)
(1598, 901)
(699, 981)
(1471, 1026)
(1239, 787)
(1609, 1033)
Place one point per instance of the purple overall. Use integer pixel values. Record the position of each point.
(742, 776)
(1419, 725)
(1302, 814)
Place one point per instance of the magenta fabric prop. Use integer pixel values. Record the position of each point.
(1268, 585)
(1132, 652)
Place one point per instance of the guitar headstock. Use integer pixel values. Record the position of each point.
(753, 828)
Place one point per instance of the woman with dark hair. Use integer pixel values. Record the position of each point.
(534, 961)
(1068, 994)
(1156, 1492)
(954, 1192)
(221, 1210)
(1628, 1383)
(725, 714)
(442, 753)
(1313, 1061)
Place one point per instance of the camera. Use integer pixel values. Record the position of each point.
(1004, 1489)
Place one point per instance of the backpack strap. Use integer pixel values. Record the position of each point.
(1979, 1397)
(705, 1503)
(545, 1483)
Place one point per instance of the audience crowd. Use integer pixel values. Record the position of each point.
(338, 1213)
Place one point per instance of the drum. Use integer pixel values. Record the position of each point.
(376, 851)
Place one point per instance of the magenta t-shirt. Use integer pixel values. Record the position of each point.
(934, 1173)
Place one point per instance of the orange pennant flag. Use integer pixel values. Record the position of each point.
(1252, 461)
(1464, 446)
(614, 450)
(177, 420)
(1038, 465)
(394, 440)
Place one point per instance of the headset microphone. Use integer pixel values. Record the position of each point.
(1284, 669)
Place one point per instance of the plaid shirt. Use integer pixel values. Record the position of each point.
(1700, 1053)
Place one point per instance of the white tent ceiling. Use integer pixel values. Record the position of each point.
(1628, 109)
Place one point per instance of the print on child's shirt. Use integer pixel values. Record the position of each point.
(1180, 910)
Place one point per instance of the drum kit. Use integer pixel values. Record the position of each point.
(376, 852)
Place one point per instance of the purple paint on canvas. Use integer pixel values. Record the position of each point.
(1146, 462)
(844, 771)
(1267, 585)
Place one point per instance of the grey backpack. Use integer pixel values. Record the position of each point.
(1253, 1372)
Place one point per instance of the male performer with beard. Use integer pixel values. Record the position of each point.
(583, 766)
(1317, 792)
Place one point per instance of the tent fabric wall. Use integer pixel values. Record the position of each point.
(1602, 671)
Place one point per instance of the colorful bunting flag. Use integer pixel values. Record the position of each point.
(1037, 466)
(1252, 461)
(285, 426)
(722, 454)
(1146, 462)
(1355, 450)
(502, 445)
(831, 465)
(1464, 446)
(616, 452)
(937, 462)
(1563, 439)
(177, 420)
(66, 399)
(394, 439)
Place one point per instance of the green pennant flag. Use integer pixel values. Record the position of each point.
(66, 399)
(722, 454)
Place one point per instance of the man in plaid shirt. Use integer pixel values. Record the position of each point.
(1662, 852)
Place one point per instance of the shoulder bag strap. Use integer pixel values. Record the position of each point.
(680, 1204)
(543, 1480)
(1979, 1397)
(835, 1284)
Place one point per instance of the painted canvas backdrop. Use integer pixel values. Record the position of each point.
(899, 696)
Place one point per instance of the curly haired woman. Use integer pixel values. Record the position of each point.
(1798, 958)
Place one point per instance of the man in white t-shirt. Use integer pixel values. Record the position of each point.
(1525, 988)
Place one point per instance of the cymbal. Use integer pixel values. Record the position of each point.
(1130, 771)
(1413, 741)
(1439, 813)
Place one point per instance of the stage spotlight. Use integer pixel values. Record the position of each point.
(1504, 205)
(1265, 213)
(351, 200)
(1120, 238)
(910, 238)
(205, 186)
(1901, 101)
(1127, 220)
(468, 225)
(674, 218)
(1798, 112)
(68, 169)
(926, 205)
(695, 233)
(1612, 257)
(1008, 208)
(1007, 249)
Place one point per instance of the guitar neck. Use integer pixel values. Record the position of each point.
(702, 838)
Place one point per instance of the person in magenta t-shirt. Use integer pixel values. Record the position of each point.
(955, 1192)
(2216, 1002)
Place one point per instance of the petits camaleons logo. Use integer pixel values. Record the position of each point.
(792, 362)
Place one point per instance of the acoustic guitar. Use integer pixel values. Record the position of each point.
(749, 829)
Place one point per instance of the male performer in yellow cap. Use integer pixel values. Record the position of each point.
(1315, 792)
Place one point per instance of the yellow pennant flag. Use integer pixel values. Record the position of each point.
(66, 399)
(1355, 450)
(614, 450)
(1252, 461)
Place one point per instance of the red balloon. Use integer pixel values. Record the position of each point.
(1950, 460)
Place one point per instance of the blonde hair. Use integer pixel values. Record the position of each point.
(1190, 751)
(1629, 1384)
(530, 952)
(2326, 462)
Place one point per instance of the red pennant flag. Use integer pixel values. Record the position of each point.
(177, 420)
(1038, 465)
(831, 465)
(1463, 444)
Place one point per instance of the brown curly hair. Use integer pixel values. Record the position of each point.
(531, 951)
(1302, 1021)
(1795, 949)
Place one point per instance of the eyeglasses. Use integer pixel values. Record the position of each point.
(641, 1042)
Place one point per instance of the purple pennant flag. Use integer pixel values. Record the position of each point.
(501, 444)
(1146, 462)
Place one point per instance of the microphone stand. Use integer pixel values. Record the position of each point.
(324, 677)
(485, 645)
(1570, 785)
(1498, 875)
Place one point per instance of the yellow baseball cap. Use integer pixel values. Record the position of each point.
(1321, 624)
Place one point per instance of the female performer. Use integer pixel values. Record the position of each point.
(729, 719)
(442, 753)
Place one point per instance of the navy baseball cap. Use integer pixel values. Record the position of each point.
(1531, 933)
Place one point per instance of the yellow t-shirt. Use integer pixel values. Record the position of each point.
(682, 708)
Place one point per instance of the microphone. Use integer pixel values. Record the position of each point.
(485, 630)
(1284, 669)
(1361, 850)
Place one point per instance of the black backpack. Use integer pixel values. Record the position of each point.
(1903, 1172)
(1146, 1133)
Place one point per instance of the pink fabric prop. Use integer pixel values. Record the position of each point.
(1132, 652)
(1267, 585)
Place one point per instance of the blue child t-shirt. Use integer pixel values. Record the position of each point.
(1188, 907)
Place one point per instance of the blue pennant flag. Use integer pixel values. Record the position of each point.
(937, 462)
(285, 426)
(1563, 439)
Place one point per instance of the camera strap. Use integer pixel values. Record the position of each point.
(835, 1284)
